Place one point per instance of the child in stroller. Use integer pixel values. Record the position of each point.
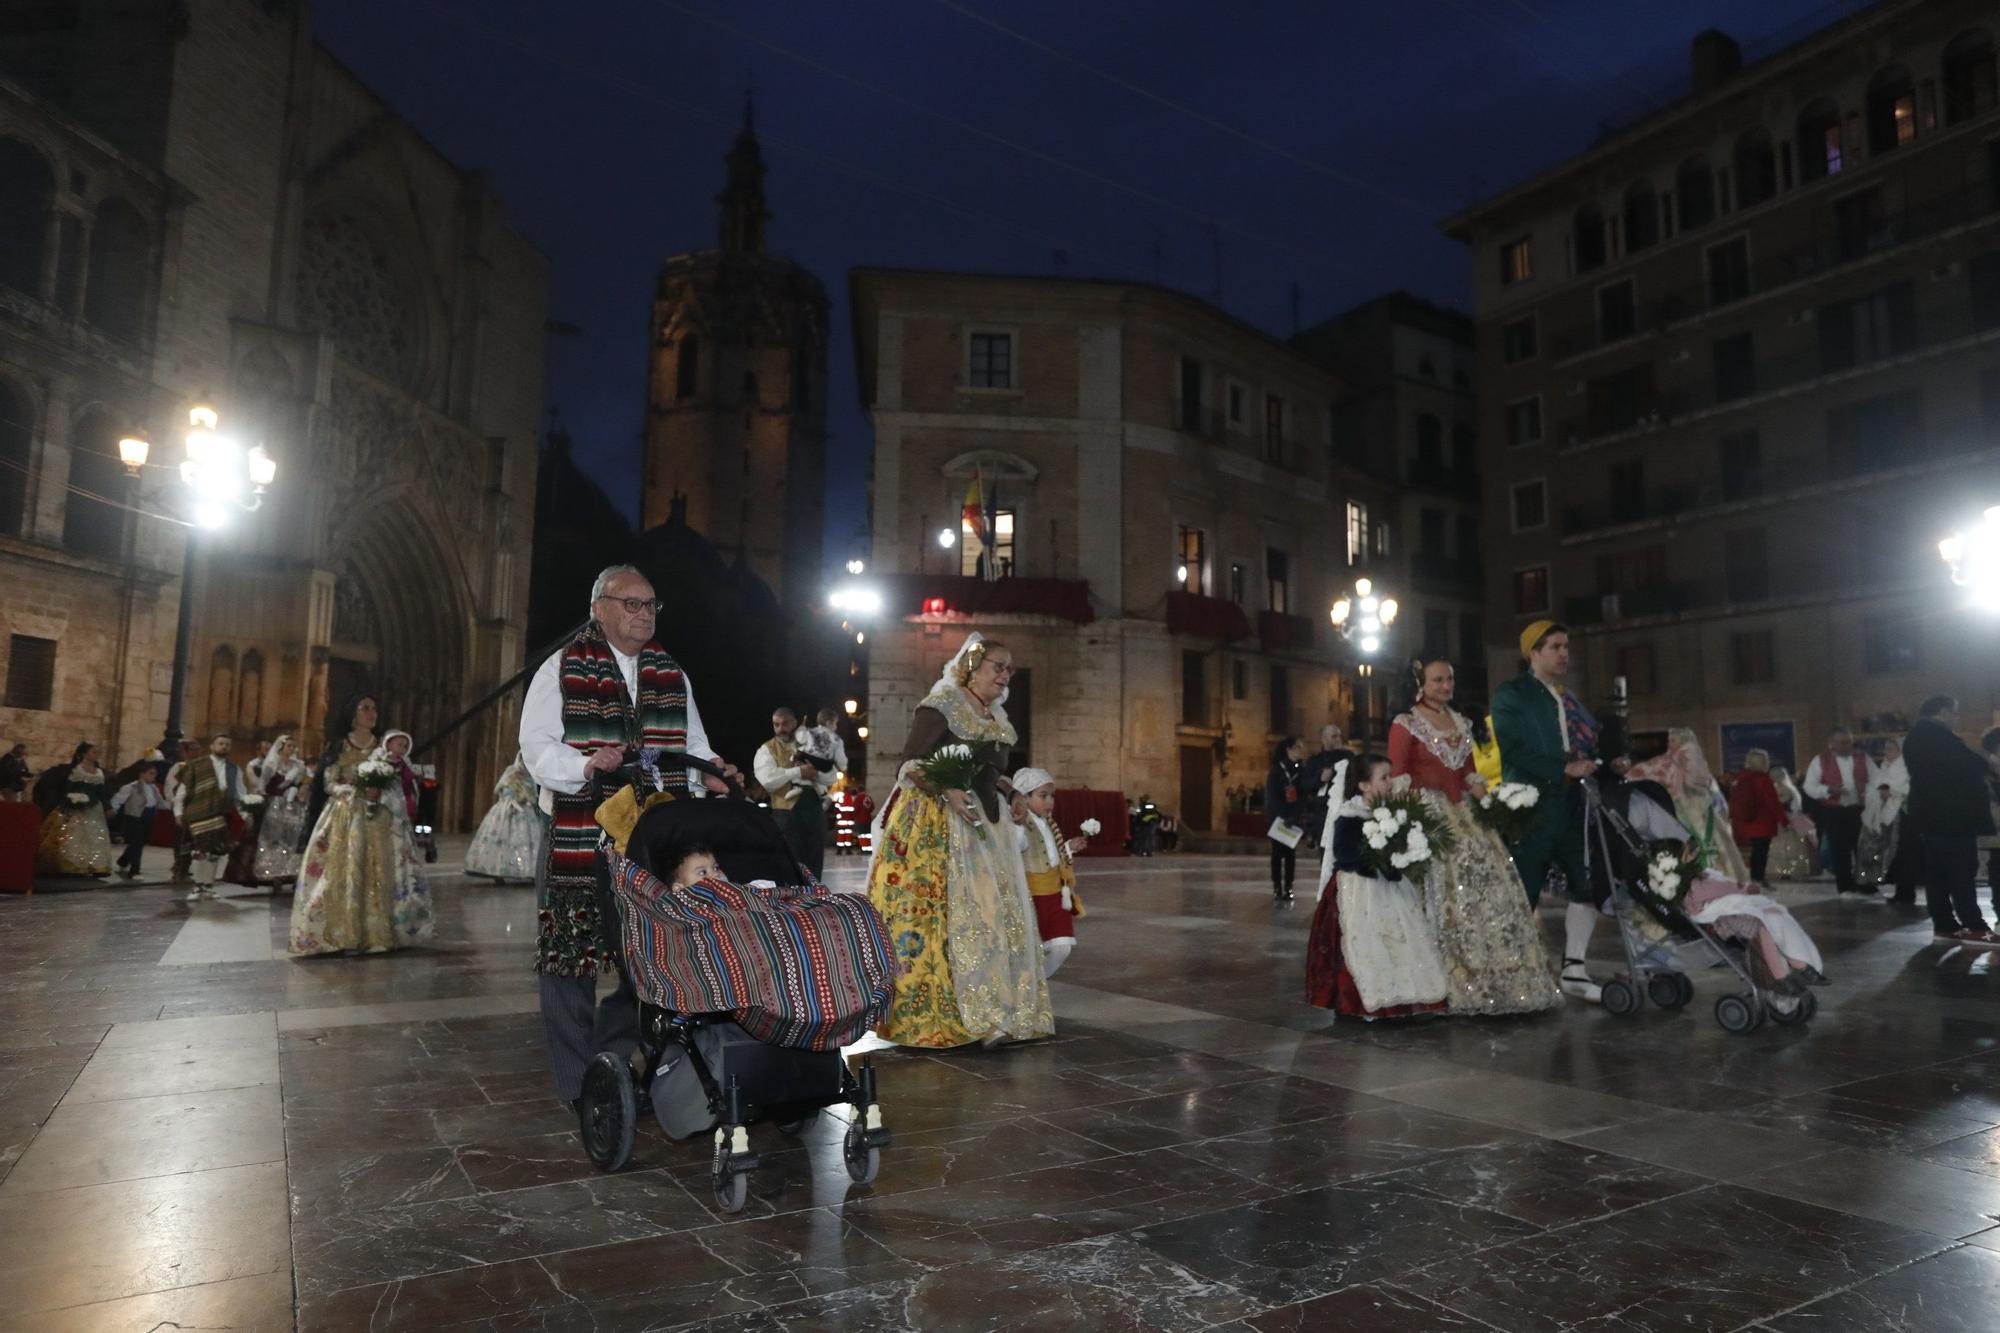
(751, 976)
(1672, 915)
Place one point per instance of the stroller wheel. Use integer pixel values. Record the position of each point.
(1619, 998)
(730, 1184)
(863, 1161)
(608, 1111)
(1802, 1012)
(1669, 990)
(791, 1129)
(1738, 1013)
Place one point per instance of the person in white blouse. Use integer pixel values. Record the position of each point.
(612, 691)
(1839, 780)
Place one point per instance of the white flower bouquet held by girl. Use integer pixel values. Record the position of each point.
(1509, 810)
(1400, 836)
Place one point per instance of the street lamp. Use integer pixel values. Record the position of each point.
(947, 538)
(221, 477)
(1363, 616)
(1974, 558)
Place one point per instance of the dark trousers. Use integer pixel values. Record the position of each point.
(1760, 857)
(1284, 865)
(1951, 867)
(136, 830)
(1908, 866)
(805, 829)
(576, 1025)
(1842, 827)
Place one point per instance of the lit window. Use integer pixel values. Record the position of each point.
(1531, 591)
(1357, 532)
(1517, 260)
(1192, 574)
(971, 552)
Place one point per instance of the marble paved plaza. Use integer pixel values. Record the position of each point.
(196, 1132)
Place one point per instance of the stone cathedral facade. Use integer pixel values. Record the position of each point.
(296, 253)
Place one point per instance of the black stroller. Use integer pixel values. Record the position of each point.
(732, 1066)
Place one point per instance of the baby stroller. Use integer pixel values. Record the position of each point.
(423, 829)
(1657, 971)
(748, 986)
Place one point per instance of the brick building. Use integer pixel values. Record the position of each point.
(1170, 525)
(1739, 370)
(197, 202)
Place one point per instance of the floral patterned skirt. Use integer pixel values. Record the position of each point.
(1487, 934)
(361, 886)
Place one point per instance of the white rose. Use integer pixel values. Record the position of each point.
(1090, 828)
(1377, 842)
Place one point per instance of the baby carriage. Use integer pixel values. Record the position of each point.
(423, 829)
(1656, 969)
(749, 984)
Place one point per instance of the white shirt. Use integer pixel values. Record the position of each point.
(1562, 713)
(559, 767)
(775, 779)
(1849, 794)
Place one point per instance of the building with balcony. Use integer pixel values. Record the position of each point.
(1405, 412)
(1739, 370)
(197, 202)
(1169, 514)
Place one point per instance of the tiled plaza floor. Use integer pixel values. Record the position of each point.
(196, 1132)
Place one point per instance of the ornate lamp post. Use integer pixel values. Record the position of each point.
(221, 478)
(1363, 616)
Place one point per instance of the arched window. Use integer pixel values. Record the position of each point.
(1971, 80)
(1642, 217)
(27, 197)
(1589, 235)
(116, 299)
(687, 367)
(1694, 189)
(17, 437)
(93, 523)
(1430, 441)
(221, 689)
(1756, 168)
(1892, 109)
(249, 690)
(1820, 153)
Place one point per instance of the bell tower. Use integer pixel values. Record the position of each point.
(736, 399)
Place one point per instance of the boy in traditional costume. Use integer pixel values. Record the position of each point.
(1049, 859)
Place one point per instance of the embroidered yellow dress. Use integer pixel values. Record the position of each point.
(955, 899)
(361, 886)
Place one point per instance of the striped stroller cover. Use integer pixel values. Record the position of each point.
(803, 967)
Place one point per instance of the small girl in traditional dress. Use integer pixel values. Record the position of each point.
(1371, 953)
(1051, 868)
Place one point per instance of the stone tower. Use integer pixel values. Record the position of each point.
(736, 402)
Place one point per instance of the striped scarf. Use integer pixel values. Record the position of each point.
(596, 711)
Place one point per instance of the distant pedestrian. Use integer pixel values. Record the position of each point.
(14, 774)
(1838, 780)
(1948, 810)
(1756, 813)
(134, 806)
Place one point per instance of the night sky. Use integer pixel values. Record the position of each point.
(1310, 143)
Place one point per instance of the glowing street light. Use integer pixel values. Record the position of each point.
(1974, 558)
(947, 538)
(1363, 616)
(132, 452)
(855, 599)
(855, 566)
(852, 706)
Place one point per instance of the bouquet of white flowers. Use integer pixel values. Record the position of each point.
(951, 768)
(1401, 835)
(1665, 878)
(1509, 809)
(251, 800)
(1090, 828)
(372, 776)
(79, 798)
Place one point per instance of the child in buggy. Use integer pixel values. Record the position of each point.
(1672, 914)
(751, 976)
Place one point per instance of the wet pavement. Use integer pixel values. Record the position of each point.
(197, 1131)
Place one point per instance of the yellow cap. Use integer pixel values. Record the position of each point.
(1534, 634)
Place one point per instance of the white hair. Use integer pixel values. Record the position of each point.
(611, 572)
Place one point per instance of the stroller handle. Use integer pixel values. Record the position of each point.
(682, 759)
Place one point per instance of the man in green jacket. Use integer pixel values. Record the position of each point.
(1532, 725)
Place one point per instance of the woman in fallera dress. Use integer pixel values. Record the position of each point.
(361, 888)
(76, 837)
(1486, 932)
(508, 844)
(269, 852)
(1698, 801)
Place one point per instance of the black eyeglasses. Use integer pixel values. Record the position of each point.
(637, 604)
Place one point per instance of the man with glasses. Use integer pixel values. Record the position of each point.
(611, 692)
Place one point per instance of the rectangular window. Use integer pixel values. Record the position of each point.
(1191, 384)
(1531, 591)
(1735, 367)
(1892, 644)
(1193, 571)
(1357, 533)
(1531, 506)
(1619, 401)
(1625, 572)
(1239, 405)
(1517, 261)
(991, 363)
(1617, 312)
(1281, 700)
(1861, 224)
(1437, 635)
(1524, 422)
(1628, 491)
(1430, 535)
(687, 367)
(1868, 328)
(1875, 433)
(1640, 666)
(1194, 689)
(1471, 631)
(31, 672)
(1382, 538)
(1729, 271)
(1518, 339)
(1278, 575)
(1239, 578)
(1742, 458)
(1753, 657)
(1746, 565)
(972, 555)
(1274, 429)
(1239, 680)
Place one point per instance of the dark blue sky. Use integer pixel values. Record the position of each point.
(604, 123)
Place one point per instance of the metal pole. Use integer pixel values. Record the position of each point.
(183, 636)
(505, 687)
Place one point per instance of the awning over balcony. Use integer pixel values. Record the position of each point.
(970, 598)
(1206, 617)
